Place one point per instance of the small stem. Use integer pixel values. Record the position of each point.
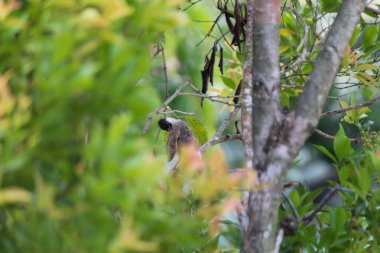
(310, 215)
(291, 205)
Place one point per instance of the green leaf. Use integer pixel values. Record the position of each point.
(370, 35)
(371, 13)
(367, 93)
(338, 218)
(342, 145)
(228, 82)
(355, 36)
(330, 5)
(364, 179)
(310, 196)
(295, 198)
(326, 152)
(198, 129)
(343, 174)
(285, 99)
(366, 67)
(357, 190)
(364, 80)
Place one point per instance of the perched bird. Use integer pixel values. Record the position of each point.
(180, 134)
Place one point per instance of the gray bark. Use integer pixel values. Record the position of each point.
(246, 99)
(278, 137)
(313, 98)
(246, 111)
(263, 201)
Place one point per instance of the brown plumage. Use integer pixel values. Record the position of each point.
(179, 134)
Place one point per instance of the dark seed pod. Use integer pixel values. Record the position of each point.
(221, 60)
(237, 127)
(205, 75)
(211, 65)
(229, 24)
(237, 92)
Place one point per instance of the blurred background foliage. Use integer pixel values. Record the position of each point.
(77, 82)
(76, 85)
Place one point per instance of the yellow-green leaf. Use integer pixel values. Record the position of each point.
(14, 195)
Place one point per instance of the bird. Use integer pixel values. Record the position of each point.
(180, 134)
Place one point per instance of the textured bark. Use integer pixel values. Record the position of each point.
(246, 111)
(326, 65)
(246, 100)
(278, 137)
(310, 105)
(263, 202)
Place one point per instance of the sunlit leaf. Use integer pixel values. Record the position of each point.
(14, 195)
(326, 152)
(342, 145)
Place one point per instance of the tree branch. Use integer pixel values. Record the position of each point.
(191, 5)
(161, 109)
(218, 135)
(315, 93)
(213, 98)
(310, 215)
(218, 140)
(165, 69)
(331, 137)
(291, 205)
(164, 105)
(349, 108)
(373, 10)
(326, 65)
(277, 244)
(175, 112)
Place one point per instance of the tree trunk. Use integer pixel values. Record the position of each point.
(263, 201)
(277, 137)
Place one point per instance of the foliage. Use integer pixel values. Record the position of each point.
(76, 174)
(350, 227)
(77, 81)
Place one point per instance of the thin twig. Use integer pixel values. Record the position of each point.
(286, 86)
(211, 29)
(349, 108)
(214, 98)
(165, 69)
(330, 137)
(176, 111)
(191, 5)
(218, 135)
(208, 96)
(373, 10)
(291, 205)
(217, 140)
(162, 108)
(163, 105)
(277, 244)
(310, 215)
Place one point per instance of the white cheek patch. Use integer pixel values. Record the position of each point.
(171, 120)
